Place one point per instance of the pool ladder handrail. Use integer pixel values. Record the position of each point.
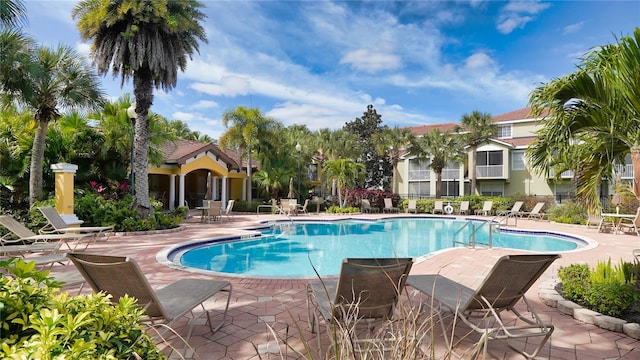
(472, 237)
(503, 220)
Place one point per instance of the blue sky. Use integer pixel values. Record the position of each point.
(320, 63)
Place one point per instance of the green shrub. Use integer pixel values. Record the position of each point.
(575, 281)
(245, 206)
(38, 321)
(344, 210)
(568, 213)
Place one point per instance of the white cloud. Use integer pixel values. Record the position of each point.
(516, 14)
(573, 28)
(205, 104)
(478, 60)
(370, 61)
(84, 49)
(186, 117)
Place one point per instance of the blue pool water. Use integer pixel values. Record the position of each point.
(295, 249)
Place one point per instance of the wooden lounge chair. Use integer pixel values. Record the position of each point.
(464, 208)
(438, 207)
(487, 207)
(388, 206)
(411, 206)
(515, 209)
(118, 275)
(504, 286)
(366, 293)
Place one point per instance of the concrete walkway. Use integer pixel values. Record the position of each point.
(263, 308)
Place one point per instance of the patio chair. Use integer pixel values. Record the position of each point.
(629, 224)
(24, 235)
(411, 206)
(515, 209)
(304, 208)
(438, 207)
(213, 211)
(366, 293)
(600, 222)
(388, 206)
(367, 208)
(57, 225)
(535, 213)
(487, 207)
(504, 286)
(464, 208)
(119, 276)
(228, 211)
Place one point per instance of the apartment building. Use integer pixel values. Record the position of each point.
(501, 166)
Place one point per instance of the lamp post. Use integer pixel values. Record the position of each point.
(131, 113)
(299, 150)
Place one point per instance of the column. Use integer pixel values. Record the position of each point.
(244, 189)
(214, 188)
(172, 191)
(181, 189)
(64, 178)
(225, 195)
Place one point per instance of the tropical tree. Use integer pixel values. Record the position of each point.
(391, 142)
(592, 118)
(148, 41)
(333, 145)
(346, 172)
(12, 13)
(246, 129)
(441, 149)
(477, 128)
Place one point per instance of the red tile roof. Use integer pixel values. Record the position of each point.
(521, 114)
(181, 150)
(423, 129)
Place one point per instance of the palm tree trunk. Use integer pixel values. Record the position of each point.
(635, 161)
(37, 159)
(438, 184)
(143, 92)
(249, 166)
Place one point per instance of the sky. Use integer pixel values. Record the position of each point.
(320, 63)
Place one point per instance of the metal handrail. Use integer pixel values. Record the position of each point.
(472, 237)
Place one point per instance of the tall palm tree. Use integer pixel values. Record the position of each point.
(477, 128)
(12, 13)
(59, 78)
(346, 172)
(246, 128)
(593, 118)
(392, 142)
(441, 148)
(148, 41)
(333, 145)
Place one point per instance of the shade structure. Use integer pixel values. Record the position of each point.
(208, 195)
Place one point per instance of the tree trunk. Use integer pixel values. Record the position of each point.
(394, 177)
(438, 184)
(635, 161)
(473, 170)
(144, 98)
(249, 191)
(37, 159)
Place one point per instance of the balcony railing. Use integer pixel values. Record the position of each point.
(567, 174)
(450, 174)
(625, 171)
(489, 171)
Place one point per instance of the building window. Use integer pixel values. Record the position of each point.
(492, 189)
(504, 131)
(450, 188)
(419, 189)
(564, 191)
(517, 160)
(419, 169)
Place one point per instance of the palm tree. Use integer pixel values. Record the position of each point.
(246, 128)
(346, 172)
(477, 128)
(441, 148)
(392, 142)
(12, 13)
(148, 41)
(593, 118)
(59, 78)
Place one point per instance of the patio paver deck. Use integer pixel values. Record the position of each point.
(260, 304)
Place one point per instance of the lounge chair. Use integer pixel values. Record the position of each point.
(411, 206)
(367, 208)
(600, 222)
(630, 224)
(438, 207)
(118, 275)
(213, 210)
(304, 208)
(57, 225)
(366, 292)
(515, 209)
(228, 211)
(504, 286)
(388, 206)
(25, 235)
(464, 208)
(487, 207)
(535, 213)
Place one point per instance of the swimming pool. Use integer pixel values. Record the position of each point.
(295, 249)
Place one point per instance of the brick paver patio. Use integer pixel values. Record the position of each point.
(261, 308)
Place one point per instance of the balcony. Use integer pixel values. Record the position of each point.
(624, 171)
(490, 171)
(567, 174)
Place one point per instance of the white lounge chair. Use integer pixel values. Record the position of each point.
(464, 208)
(438, 207)
(388, 206)
(535, 213)
(487, 207)
(515, 209)
(411, 206)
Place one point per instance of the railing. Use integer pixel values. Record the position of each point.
(498, 220)
(625, 171)
(475, 227)
(450, 174)
(489, 171)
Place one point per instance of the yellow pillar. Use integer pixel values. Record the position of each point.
(64, 175)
